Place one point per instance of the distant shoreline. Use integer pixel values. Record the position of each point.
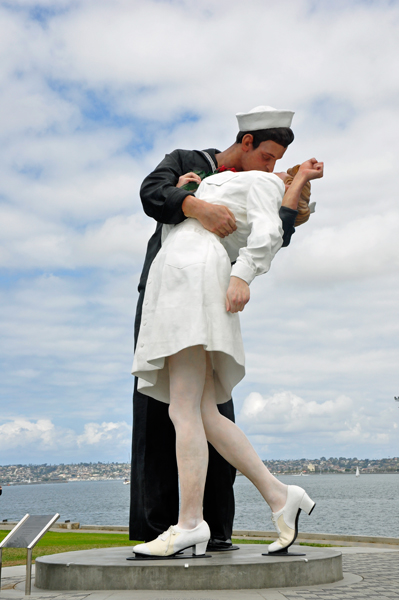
(14, 484)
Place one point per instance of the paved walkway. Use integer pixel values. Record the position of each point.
(370, 574)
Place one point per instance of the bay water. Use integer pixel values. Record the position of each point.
(345, 504)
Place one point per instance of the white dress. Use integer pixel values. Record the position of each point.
(184, 302)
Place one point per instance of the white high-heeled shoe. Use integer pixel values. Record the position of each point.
(176, 539)
(286, 519)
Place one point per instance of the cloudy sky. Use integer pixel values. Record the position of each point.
(92, 95)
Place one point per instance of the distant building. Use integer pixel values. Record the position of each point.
(311, 467)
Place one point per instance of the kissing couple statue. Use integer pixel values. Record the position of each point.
(189, 353)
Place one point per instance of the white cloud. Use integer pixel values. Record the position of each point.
(364, 248)
(30, 242)
(105, 434)
(280, 423)
(23, 432)
(286, 413)
(44, 438)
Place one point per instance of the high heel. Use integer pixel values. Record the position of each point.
(200, 549)
(175, 539)
(286, 519)
(307, 504)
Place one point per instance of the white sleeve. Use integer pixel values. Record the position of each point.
(265, 239)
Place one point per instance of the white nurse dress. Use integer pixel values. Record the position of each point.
(184, 302)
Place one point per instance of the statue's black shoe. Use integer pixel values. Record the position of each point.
(217, 545)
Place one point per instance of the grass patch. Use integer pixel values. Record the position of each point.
(54, 543)
(318, 545)
(240, 541)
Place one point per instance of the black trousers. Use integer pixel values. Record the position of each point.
(154, 497)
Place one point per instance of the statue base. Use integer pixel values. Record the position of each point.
(108, 569)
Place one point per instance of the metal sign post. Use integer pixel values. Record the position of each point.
(26, 534)
(28, 580)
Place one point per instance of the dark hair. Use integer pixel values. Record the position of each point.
(281, 135)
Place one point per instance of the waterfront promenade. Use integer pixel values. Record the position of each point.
(370, 573)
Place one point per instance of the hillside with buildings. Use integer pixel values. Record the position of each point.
(333, 465)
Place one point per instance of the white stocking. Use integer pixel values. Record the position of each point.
(187, 377)
(234, 446)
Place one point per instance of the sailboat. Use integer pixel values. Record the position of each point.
(357, 472)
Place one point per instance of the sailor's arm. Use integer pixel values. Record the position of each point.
(167, 202)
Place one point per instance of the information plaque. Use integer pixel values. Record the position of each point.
(26, 534)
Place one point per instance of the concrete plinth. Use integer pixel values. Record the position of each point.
(108, 569)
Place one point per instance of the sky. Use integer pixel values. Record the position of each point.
(93, 93)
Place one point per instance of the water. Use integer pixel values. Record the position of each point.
(366, 505)
(88, 502)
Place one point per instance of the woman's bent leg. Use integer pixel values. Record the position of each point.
(286, 502)
(233, 445)
(187, 378)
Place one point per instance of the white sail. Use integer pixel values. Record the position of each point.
(357, 472)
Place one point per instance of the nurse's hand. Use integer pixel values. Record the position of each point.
(188, 178)
(238, 295)
(311, 169)
(213, 217)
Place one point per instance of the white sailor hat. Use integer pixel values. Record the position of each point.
(264, 117)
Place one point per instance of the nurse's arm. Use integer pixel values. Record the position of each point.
(309, 170)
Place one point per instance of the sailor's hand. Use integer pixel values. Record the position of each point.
(237, 295)
(311, 169)
(188, 178)
(217, 219)
(213, 217)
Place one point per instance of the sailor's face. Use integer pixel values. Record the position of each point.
(262, 158)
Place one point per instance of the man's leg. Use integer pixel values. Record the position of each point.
(154, 497)
(154, 492)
